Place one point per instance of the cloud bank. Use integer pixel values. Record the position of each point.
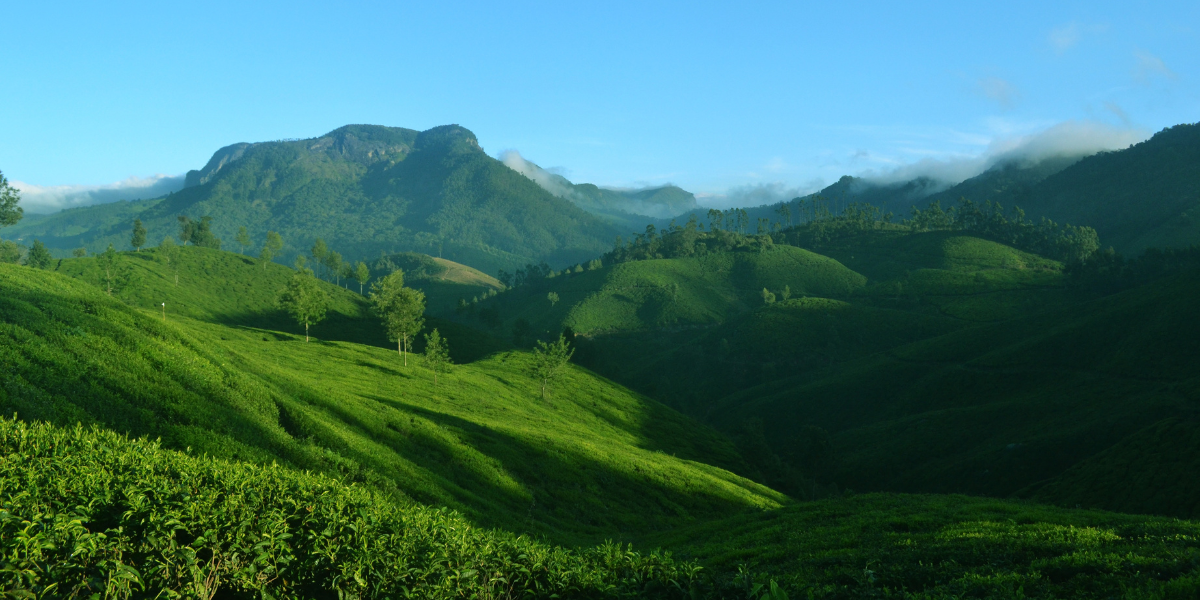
(555, 184)
(1070, 138)
(38, 199)
(757, 194)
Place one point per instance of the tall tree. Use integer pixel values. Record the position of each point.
(168, 253)
(203, 236)
(553, 298)
(138, 239)
(362, 274)
(437, 354)
(243, 238)
(401, 309)
(108, 262)
(549, 360)
(39, 257)
(187, 228)
(319, 251)
(10, 213)
(271, 247)
(333, 266)
(304, 300)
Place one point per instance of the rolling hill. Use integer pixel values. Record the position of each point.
(593, 462)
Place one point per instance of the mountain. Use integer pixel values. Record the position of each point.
(364, 189)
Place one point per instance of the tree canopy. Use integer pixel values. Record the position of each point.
(304, 300)
(400, 308)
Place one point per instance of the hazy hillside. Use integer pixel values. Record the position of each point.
(364, 189)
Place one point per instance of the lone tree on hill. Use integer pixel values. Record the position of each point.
(168, 253)
(362, 274)
(138, 239)
(401, 309)
(39, 257)
(108, 262)
(437, 354)
(243, 238)
(10, 213)
(304, 300)
(553, 298)
(270, 248)
(549, 360)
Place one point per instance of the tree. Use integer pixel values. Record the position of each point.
(243, 238)
(768, 296)
(347, 271)
(549, 360)
(553, 298)
(10, 213)
(39, 257)
(108, 262)
(79, 252)
(168, 252)
(187, 228)
(320, 251)
(270, 248)
(401, 309)
(362, 274)
(333, 266)
(786, 292)
(304, 300)
(437, 354)
(138, 239)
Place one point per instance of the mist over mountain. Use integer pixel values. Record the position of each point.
(619, 204)
(44, 199)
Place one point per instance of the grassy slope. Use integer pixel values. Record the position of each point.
(999, 408)
(483, 442)
(900, 546)
(638, 296)
(919, 286)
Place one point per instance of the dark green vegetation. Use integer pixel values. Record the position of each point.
(889, 358)
(93, 514)
(826, 348)
(899, 546)
(363, 189)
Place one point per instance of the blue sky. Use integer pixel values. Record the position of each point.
(726, 100)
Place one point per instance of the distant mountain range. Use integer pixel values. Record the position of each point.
(1147, 195)
(368, 189)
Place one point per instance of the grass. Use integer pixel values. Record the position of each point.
(596, 461)
(906, 546)
(1008, 408)
(671, 293)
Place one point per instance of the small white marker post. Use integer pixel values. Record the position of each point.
(164, 305)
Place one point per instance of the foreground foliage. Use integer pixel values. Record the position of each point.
(91, 512)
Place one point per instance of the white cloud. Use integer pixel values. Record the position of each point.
(46, 199)
(1070, 138)
(757, 194)
(1149, 65)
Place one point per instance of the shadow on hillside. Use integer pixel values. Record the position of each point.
(569, 496)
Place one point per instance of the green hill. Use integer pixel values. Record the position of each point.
(363, 189)
(593, 462)
(1076, 393)
(669, 293)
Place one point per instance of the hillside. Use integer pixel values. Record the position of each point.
(1055, 404)
(594, 462)
(668, 293)
(363, 189)
(104, 512)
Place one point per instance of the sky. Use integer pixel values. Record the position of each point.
(736, 102)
